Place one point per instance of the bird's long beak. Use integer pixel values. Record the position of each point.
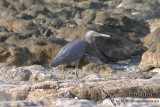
(103, 35)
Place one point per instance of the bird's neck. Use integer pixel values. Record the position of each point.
(90, 42)
(88, 38)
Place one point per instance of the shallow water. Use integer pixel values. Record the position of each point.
(129, 65)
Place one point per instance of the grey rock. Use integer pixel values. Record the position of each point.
(81, 103)
(101, 17)
(48, 33)
(150, 59)
(56, 22)
(88, 16)
(18, 75)
(3, 38)
(46, 85)
(4, 96)
(142, 7)
(73, 102)
(98, 68)
(3, 29)
(38, 51)
(124, 36)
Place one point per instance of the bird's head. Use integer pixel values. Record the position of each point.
(91, 34)
(96, 34)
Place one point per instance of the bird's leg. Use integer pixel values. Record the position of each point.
(76, 71)
(63, 72)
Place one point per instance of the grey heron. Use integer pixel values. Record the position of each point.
(74, 50)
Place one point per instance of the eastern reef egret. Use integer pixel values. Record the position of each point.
(74, 50)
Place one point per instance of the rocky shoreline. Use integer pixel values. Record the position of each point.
(32, 32)
(34, 84)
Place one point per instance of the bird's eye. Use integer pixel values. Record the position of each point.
(94, 33)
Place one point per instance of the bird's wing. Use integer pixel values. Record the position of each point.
(72, 51)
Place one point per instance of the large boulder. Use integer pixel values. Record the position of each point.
(13, 55)
(151, 58)
(144, 9)
(19, 51)
(125, 38)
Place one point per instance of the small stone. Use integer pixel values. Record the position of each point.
(48, 33)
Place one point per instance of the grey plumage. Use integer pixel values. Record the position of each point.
(74, 50)
(70, 52)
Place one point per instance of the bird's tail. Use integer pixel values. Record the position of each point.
(55, 63)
